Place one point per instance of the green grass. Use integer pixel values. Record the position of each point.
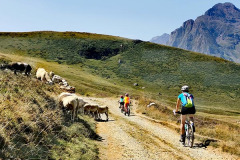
(213, 81)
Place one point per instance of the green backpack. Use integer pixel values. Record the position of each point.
(189, 100)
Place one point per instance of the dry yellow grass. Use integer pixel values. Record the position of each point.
(33, 127)
(224, 129)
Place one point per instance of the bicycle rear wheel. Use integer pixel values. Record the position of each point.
(128, 110)
(190, 136)
(122, 108)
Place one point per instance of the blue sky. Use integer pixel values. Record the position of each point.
(135, 19)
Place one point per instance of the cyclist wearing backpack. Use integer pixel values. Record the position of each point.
(185, 99)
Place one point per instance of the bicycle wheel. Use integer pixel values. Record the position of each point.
(125, 111)
(122, 108)
(128, 110)
(190, 136)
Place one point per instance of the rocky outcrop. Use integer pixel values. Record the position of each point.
(216, 33)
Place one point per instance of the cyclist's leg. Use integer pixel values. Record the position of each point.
(120, 104)
(183, 118)
(125, 107)
(191, 117)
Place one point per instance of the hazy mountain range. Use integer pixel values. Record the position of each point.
(163, 39)
(216, 33)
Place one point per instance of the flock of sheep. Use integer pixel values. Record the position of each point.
(51, 78)
(68, 100)
(72, 102)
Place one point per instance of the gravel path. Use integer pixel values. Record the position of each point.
(137, 137)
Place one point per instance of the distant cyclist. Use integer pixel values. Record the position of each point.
(185, 99)
(126, 101)
(121, 101)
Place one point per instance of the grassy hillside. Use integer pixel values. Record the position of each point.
(160, 69)
(62, 47)
(214, 82)
(99, 65)
(32, 126)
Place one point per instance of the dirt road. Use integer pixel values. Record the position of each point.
(139, 138)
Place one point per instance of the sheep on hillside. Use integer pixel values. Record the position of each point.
(43, 75)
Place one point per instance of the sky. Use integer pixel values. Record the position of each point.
(134, 19)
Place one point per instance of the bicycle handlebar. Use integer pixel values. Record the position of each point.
(178, 112)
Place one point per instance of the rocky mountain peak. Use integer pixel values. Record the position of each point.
(188, 23)
(224, 10)
(215, 33)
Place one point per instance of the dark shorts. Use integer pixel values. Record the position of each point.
(186, 110)
(121, 103)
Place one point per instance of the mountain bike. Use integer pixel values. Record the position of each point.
(189, 131)
(127, 111)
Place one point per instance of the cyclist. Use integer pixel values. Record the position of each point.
(126, 101)
(121, 101)
(187, 109)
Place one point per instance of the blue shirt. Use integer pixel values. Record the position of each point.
(121, 99)
(183, 98)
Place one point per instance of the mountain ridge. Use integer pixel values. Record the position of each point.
(216, 33)
(163, 39)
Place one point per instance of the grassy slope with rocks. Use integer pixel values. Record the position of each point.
(161, 70)
(32, 126)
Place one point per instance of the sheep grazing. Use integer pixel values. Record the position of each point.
(71, 103)
(91, 109)
(4, 66)
(69, 89)
(76, 108)
(81, 104)
(43, 75)
(18, 67)
(61, 96)
(64, 83)
(102, 110)
(95, 110)
(51, 74)
(57, 79)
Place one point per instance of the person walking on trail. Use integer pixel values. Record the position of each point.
(121, 101)
(126, 101)
(185, 99)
